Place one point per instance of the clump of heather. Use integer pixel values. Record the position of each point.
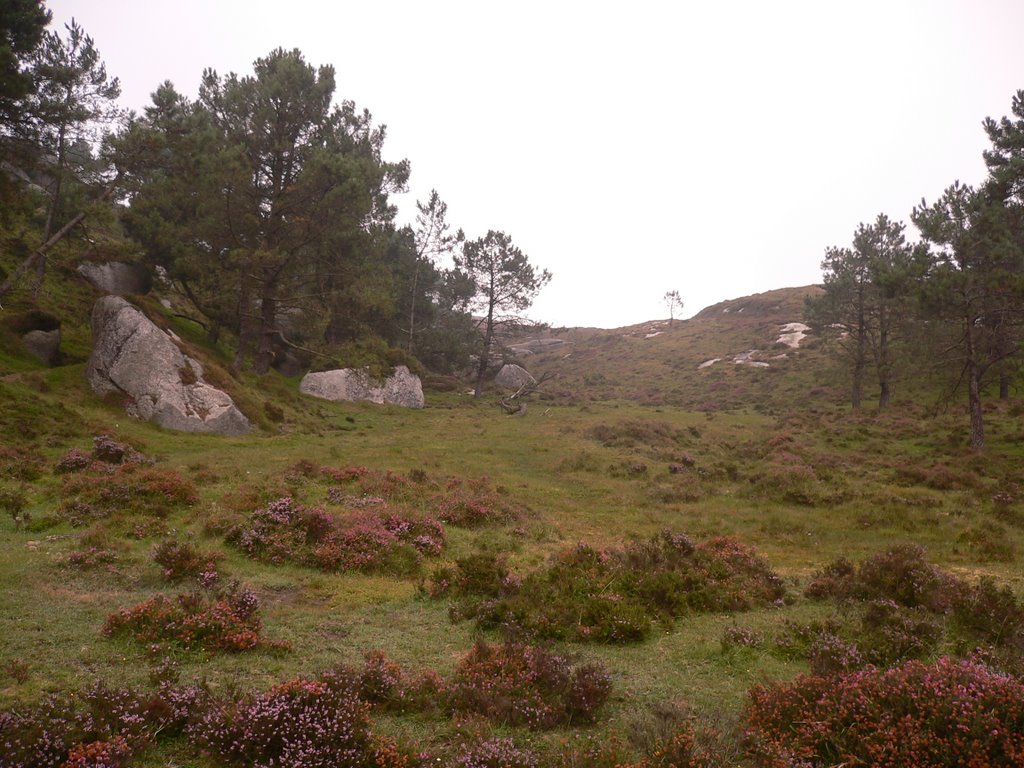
(220, 620)
(370, 541)
(300, 723)
(612, 595)
(100, 727)
(495, 753)
(103, 490)
(901, 574)
(950, 713)
(183, 560)
(520, 684)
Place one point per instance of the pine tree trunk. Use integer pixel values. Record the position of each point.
(884, 395)
(974, 392)
(485, 355)
(1004, 385)
(268, 323)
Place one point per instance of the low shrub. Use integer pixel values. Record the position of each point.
(222, 620)
(611, 595)
(495, 753)
(300, 723)
(520, 684)
(901, 574)
(989, 542)
(104, 490)
(475, 502)
(950, 713)
(990, 614)
(369, 541)
(182, 560)
(90, 557)
(99, 727)
(21, 463)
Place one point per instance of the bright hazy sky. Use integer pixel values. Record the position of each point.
(717, 148)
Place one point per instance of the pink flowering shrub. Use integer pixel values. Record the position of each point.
(225, 620)
(950, 713)
(99, 727)
(299, 723)
(369, 541)
(495, 753)
(521, 684)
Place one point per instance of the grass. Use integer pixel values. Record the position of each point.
(802, 485)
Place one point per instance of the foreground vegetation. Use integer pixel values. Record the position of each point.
(364, 568)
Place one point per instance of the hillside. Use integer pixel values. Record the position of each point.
(730, 355)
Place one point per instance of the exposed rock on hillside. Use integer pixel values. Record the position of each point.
(116, 277)
(538, 345)
(346, 384)
(44, 345)
(132, 356)
(512, 376)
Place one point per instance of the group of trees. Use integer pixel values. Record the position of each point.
(955, 300)
(266, 202)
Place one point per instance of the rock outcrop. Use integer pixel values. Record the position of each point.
(132, 356)
(44, 345)
(512, 376)
(347, 384)
(116, 277)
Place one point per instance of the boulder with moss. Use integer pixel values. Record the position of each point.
(131, 356)
(402, 387)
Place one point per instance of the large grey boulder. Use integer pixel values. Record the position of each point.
(512, 376)
(44, 345)
(132, 356)
(116, 277)
(347, 384)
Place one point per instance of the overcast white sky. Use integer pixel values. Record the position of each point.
(716, 148)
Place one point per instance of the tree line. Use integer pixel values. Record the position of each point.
(265, 201)
(953, 300)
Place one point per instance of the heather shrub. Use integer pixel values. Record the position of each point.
(901, 574)
(369, 541)
(105, 490)
(990, 614)
(99, 727)
(495, 753)
(182, 560)
(520, 684)
(740, 637)
(474, 502)
(890, 633)
(21, 463)
(611, 595)
(989, 542)
(219, 620)
(299, 723)
(668, 736)
(950, 713)
(88, 558)
(75, 460)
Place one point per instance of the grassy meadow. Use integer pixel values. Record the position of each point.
(628, 439)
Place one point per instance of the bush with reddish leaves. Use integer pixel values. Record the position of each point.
(611, 595)
(182, 560)
(105, 490)
(950, 713)
(371, 541)
(521, 684)
(225, 620)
